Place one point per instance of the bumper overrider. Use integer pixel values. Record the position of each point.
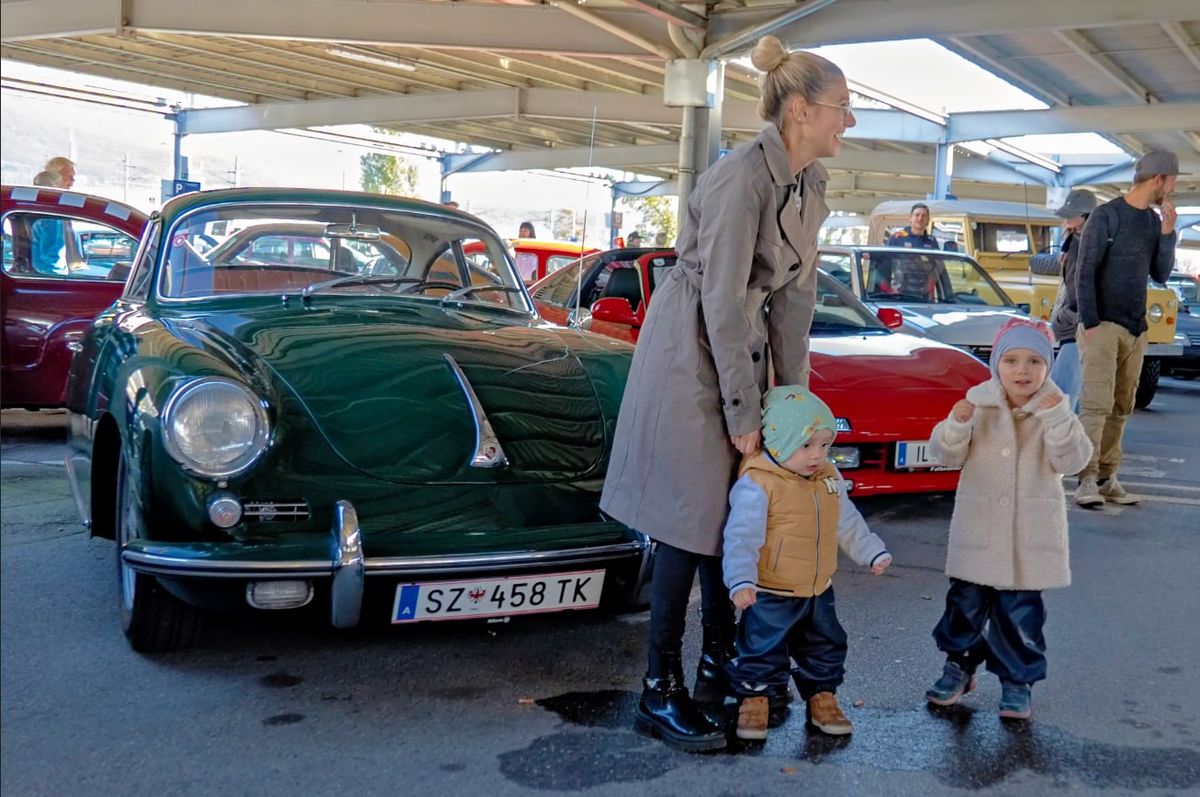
(348, 567)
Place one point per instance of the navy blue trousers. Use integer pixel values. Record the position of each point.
(778, 634)
(1002, 627)
(670, 587)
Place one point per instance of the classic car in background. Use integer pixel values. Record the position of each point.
(938, 295)
(66, 256)
(536, 258)
(273, 432)
(1187, 365)
(888, 390)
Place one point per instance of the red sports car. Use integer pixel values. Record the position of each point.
(66, 256)
(887, 389)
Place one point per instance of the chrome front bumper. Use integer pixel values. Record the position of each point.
(348, 567)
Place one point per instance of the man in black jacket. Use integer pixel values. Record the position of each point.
(1123, 244)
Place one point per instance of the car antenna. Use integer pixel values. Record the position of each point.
(587, 189)
(1028, 233)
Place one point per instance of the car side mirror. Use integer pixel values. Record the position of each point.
(1024, 307)
(615, 310)
(891, 317)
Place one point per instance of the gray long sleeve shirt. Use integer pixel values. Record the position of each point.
(1112, 287)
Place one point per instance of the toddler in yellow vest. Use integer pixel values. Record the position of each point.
(788, 514)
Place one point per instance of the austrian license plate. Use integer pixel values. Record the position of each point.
(497, 597)
(914, 454)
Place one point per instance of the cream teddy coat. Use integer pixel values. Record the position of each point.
(1009, 527)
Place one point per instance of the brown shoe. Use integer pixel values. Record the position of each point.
(752, 718)
(826, 715)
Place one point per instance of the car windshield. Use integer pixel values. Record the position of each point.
(837, 310)
(913, 276)
(279, 249)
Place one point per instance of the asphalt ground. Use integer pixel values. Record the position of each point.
(543, 704)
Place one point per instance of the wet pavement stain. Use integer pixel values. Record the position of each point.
(452, 767)
(283, 719)
(962, 746)
(280, 680)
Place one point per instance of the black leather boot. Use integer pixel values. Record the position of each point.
(668, 712)
(716, 649)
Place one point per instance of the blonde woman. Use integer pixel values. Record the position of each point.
(736, 307)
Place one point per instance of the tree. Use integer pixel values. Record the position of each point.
(387, 174)
(658, 214)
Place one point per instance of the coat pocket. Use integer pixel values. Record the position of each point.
(971, 524)
(1043, 525)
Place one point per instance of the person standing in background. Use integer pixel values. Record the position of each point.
(1064, 318)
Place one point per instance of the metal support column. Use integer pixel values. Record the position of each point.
(942, 172)
(178, 162)
(700, 139)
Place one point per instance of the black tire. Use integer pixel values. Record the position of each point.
(154, 621)
(1147, 382)
(1046, 264)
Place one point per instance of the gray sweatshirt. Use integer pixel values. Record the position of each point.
(1112, 286)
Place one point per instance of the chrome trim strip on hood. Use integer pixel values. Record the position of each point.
(488, 452)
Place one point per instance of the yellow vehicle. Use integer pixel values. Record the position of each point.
(1003, 237)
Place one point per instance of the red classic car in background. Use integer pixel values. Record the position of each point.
(886, 389)
(537, 258)
(66, 256)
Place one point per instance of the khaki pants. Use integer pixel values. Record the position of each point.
(1112, 362)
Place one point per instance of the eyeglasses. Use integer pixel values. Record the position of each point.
(845, 108)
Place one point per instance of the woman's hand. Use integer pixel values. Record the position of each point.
(744, 598)
(748, 443)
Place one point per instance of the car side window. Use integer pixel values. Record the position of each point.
(557, 291)
(556, 262)
(138, 286)
(46, 245)
(837, 266)
(527, 266)
(968, 284)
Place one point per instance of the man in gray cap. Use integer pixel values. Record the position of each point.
(1123, 244)
(1065, 317)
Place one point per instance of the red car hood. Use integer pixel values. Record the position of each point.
(892, 377)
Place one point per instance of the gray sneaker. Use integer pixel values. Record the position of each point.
(1113, 492)
(1088, 492)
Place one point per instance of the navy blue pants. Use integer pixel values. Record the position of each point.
(670, 587)
(1002, 627)
(777, 631)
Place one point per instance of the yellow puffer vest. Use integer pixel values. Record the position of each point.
(799, 556)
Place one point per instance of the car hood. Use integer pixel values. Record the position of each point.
(956, 324)
(377, 384)
(874, 367)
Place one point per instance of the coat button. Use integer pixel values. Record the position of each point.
(1004, 452)
(755, 356)
(737, 402)
(722, 402)
(794, 267)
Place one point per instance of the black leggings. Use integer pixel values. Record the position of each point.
(670, 587)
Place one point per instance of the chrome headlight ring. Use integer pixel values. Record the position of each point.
(252, 445)
(1155, 313)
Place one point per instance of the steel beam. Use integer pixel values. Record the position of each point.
(1160, 117)
(879, 20)
(565, 158)
(492, 26)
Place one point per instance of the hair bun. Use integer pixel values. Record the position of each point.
(768, 54)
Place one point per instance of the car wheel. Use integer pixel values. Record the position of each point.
(1147, 382)
(154, 621)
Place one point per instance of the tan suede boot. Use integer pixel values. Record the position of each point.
(752, 718)
(826, 715)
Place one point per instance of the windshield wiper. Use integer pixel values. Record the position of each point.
(353, 279)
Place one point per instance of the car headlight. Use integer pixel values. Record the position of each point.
(215, 427)
(844, 456)
(1155, 313)
(1045, 302)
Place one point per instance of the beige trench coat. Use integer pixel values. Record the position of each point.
(740, 296)
(1009, 527)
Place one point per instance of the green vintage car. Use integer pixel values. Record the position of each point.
(371, 421)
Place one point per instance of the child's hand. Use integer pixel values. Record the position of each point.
(963, 411)
(881, 564)
(1049, 401)
(744, 598)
